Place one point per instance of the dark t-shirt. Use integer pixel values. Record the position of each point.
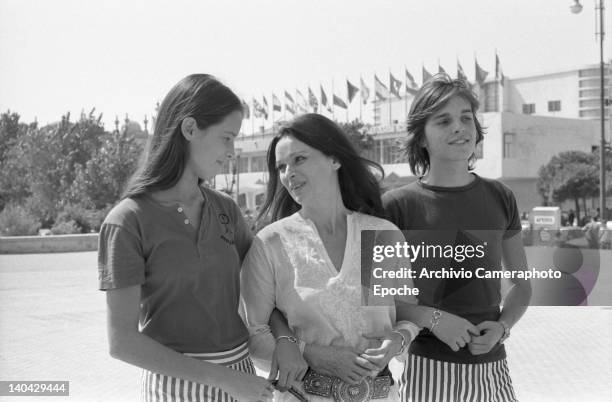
(482, 213)
(189, 281)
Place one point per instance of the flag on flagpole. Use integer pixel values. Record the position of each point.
(312, 100)
(426, 75)
(289, 103)
(324, 99)
(380, 90)
(460, 73)
(246, 109)
(499, 75)
(365, 92)
(301, 101)
(259, 110)
(481, 74)
(411, 86)
(351, 90)
(339, 102)
(276, 105)
(288, 97)
(394, 85)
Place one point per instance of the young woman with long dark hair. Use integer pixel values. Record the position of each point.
(321, 195)
(170, 255)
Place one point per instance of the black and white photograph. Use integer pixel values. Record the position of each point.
(345, 200)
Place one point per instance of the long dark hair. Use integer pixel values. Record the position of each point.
(432, 96)
(200, 96)
(358, 184)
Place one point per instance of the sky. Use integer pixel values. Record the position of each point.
(123, 56)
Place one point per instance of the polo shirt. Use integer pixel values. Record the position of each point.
(190, 282)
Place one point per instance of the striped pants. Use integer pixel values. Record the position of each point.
(428, 380)
(162, 388)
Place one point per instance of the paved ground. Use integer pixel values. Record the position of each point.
(52, 328)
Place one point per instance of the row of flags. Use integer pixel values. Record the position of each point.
(305, 103)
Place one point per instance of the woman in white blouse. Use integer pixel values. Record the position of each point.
(307, 264)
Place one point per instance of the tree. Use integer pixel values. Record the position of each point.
(570, 175)
(66, 171)
(10, 130)
(100, 181)
(48, 159)
(12, 184)
(357, 131)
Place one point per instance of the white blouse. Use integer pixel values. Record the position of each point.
(288, 268)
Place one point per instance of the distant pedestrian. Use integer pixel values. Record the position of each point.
(591, 232)
(571, 217)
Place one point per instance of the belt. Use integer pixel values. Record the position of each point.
(333, 387)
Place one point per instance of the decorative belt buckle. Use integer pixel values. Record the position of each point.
(343, 392)
(333, 387)
(382, 386)
(318, 384)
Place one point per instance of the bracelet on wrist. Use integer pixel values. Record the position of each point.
(506, 333)
(289, 338)
(435, 319)
(404, 342)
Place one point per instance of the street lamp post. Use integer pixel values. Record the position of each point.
(577, 8)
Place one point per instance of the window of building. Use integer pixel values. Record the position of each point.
(592, 82)
(377, 148)
(391, 151)
(509, 145)
(370, 154)
(242, 200)
(243, 165)
(589, 103)
(528, 108)
(592, 93)
(258, 163)
(594, 72)
(593, 113)
(401, 156)
(554, 106)
(491, 97)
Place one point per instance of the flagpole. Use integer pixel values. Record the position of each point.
(406, 95)
(273, 132)
(497, 83)
(375, 99)
(348, 102)
(252, 118)
(360, 97)
(480, 97)
(333, 103)
(390, 118)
